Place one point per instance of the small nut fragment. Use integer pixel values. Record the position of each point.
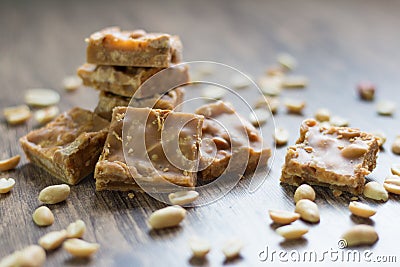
(259, 116)
(43, 216)
(295, 106)
(294, 81)
(271, 103)
(17, 114)
(339, 121)
(366, 90)
(232, 248)
(361, 209)
(386, 108)
(6, 185)
(287, 61)
(304, 191)
(41, 97)
(292, 231)
(199, 247)
(71, 83)
(322, 115)
(361, 234)
(52, 240)
(283, 216)
(213, 92)
(76, 229)
(395, 168)
(281, 136)
(396, 146)
(270, 85)
(376, 191)
(380, 137)
(46, 114)
(392, 184)
(239, 81)
(308, 210)
(183, 197)
(353, 151)
(54, 194)
(167, 217)
(9, 164)
(80, 248)
(31, 256)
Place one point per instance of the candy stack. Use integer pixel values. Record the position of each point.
(119, 62)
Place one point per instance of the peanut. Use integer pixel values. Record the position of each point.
(259, 116)
(31, 256)
(41, 97)
(213, 92)
(6, 185)
(281, 136)
(183, 197)
(339, 121)
(392, 184)
(80, 248)
(43, 216)
(46, 114)
(353, 151)
(360, 235)
(395, 169)
(167, 217)
(71, 83)
(287, 61)
(283, 217)
(308, 210)
(396, 146)
(17, 114)
(52, 240)
(292, 231)
(76, 229)
(9, 164)
(295, 106)
(304, 191)
(294, 81)
(270, 85)
(386, 108)
(376, 191)
(361, 209)
(199, 247)
(232, 248)
(380, 137)
(54, 194)
(322, 115)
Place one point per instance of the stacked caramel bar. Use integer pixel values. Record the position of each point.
(119, 62)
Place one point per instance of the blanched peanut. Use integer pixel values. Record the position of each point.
(183, 197)
(392, 184)
(232, 248)
(360, 235)
(304, 191)
(52, 240)
(339, 121)
(386, 108)
(31, 256)
(361, 209)
(380, 137)
(376, 191)
(294, 81)
(71, 83)
(43, 216)
(76, 229)
(281, 136)
(396, 146)
(308, 210)
(395, 169)
(259, 116)
(295, 106)
(167, 217)
(17, 114)
(46, 114)
(283, 217)
(322, 115)
(292, 231)
(6, 185)
(353, 151)
(270, 85)
(54, 194)
(213, 92)
(9, 164)
(199, 247)
(287, 61)
(41, 97)
(80, 248)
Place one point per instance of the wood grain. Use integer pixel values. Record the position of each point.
(337, 44)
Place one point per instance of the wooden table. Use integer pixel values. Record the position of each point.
(337, 44)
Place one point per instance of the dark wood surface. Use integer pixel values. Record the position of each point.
(337, 44)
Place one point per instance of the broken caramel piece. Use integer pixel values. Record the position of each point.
(69, 146)
(150, 156)
(336, 157)
(111, 46)
(236, 146)
(107, 102)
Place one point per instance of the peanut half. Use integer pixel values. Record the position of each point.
(376, 191)
(294, 81)
(76, 229)
(71, 83)
(281, 136)
(308, 210)
(54, 194)
(392, 184)
(6, 185)
(46, 114)
(17, 114)
(322, 115)
(395, 169)
(232, 248)
(283, 216)
(354, 151)
(199, 247)
(292, 231)
(31, 256)
(396, 146)
(361, 209)
(259, 116)
(41, 97)
(9, 164)
(43, 216)
(183, 197)
(361, 234)
(167, 217)
(295, 106)
(52, 240)
(80, 248)
(386, 108)
(304, 191)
